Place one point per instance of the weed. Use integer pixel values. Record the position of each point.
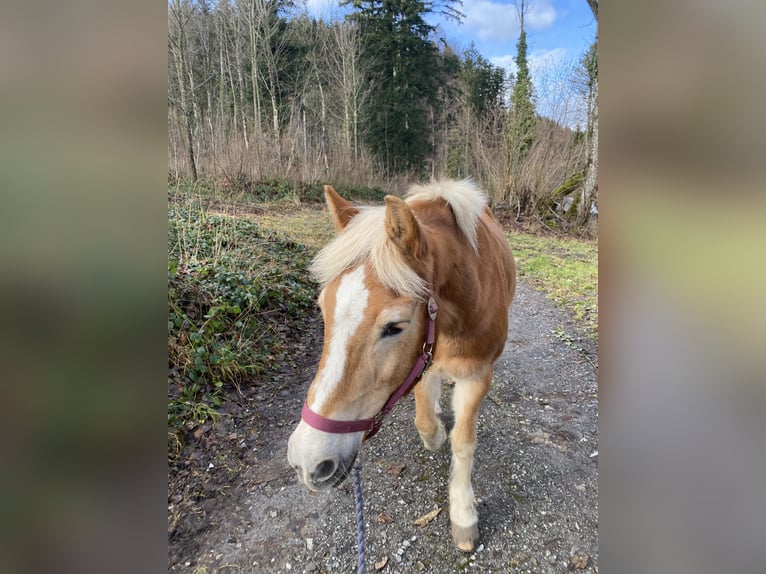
(567, 340)
(234, 290)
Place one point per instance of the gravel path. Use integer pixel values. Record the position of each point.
(535, 478)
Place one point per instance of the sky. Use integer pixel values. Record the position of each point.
(558, 33)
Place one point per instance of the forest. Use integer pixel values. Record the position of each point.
(259, 90)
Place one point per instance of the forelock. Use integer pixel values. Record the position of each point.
(364, 239)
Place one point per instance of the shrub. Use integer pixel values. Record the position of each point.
(233, 292)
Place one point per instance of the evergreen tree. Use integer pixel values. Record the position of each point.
(521, 125)
(483, 82)
(482, 91)
(404, 68)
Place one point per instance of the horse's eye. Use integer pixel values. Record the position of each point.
(391, 330)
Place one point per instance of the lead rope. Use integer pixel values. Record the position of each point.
(359, 520)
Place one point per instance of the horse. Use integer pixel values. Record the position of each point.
(420, 283)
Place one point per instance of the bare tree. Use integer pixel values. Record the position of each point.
(253, 26)
(345, 54)
(268, 51)
(180, 14)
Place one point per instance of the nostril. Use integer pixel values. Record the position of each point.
(324, 470)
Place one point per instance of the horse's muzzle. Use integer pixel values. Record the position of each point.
(322, 460)
(326, 474)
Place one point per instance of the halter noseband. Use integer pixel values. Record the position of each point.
(372, 425)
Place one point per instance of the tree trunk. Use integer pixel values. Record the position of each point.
(252, 23)
(233, 92)
(323, 125)
(241, 86)
(221, 85)
(178, 47)
(590, 187)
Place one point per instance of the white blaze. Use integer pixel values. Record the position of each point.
(350, 304)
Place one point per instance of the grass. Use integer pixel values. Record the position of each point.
(235, 292)
(565, 269)
(241, 193)
(305, 225)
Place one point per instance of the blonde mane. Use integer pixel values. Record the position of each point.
(365, 238)
(466, 200)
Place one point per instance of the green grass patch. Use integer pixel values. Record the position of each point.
(309, 226)
(565, 269)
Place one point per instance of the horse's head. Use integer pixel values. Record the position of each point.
(372, 303)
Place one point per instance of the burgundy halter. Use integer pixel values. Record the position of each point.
(372, 425)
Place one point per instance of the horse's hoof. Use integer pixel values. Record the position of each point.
(436, 441)
(465, 537)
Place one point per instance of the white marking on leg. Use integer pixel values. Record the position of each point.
(350, 304)
(462, 499)
(462, 507)
(429, 392)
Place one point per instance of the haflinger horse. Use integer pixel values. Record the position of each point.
(428, 279)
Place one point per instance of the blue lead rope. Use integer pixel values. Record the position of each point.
(359, 520)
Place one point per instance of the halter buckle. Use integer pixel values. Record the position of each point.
(433, 308)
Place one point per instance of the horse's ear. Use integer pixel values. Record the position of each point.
(401, 226)
(342, 210)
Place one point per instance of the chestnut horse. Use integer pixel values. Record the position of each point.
(429, 277)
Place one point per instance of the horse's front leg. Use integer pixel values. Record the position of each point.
(430, 426)
(466, 400)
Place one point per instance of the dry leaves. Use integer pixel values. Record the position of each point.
(384, 518)
(382, 563)
(578, 562)
(542, 437)
(426, 518)
(395, 469)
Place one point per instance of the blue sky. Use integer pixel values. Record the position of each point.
(558, 29)
(558, 34)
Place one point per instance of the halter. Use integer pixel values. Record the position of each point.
(372, 425)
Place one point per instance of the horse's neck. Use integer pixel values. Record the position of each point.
(455, 281)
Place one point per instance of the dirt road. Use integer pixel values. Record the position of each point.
(236, 506)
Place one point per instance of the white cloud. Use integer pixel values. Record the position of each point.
(541, 16)
(506, 62)
(539, 61)
(322, 8)
(498, 21)
(542, 60)
(490, 20)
